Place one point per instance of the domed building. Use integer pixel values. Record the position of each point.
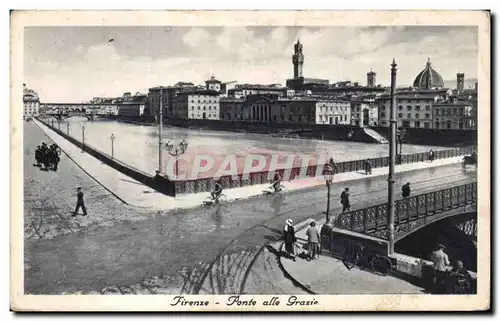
(428, 78)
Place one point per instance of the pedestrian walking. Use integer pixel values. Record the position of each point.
(368, 167)
(38, 156)
(431, 155)
(290, 239)
(79, 202)
(440, 263)
(313, 241)
(344, 200)
(405, 190)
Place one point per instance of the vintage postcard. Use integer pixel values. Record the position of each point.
(250, 161)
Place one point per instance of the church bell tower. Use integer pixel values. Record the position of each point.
(460, 81)
(298, 60)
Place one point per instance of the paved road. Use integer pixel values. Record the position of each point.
(164, 248)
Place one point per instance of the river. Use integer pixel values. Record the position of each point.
(137, 146)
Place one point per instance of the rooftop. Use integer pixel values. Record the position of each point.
(253, 86)
(199, 92)
(212, 79)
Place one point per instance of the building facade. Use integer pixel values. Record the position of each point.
(31, 103)
(413, 107)
(242, 91)
(454, 115)
(232, 109)
(333, 112)
(272, 108)
(169, 98)
(364, 112)
(197, 104)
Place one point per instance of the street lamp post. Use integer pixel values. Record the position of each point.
(175, 151)
(329, 180)
(112, 145)
(83, 134)
(326, 229)
(160, 133)
(392, 154)
(67, 129)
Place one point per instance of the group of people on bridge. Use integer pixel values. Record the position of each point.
(47, 157)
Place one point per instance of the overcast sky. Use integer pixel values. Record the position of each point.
(74, 64)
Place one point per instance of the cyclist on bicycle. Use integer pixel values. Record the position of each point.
(218, 190)
(277, 182)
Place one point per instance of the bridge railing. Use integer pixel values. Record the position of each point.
(255, 178)
(373, 220)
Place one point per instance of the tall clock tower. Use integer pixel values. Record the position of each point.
(298, 60)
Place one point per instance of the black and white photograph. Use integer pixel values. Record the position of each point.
(251, 165)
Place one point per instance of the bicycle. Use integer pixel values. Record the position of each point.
(210, 200)
(270, 190)
(378, 264)
(457, 283)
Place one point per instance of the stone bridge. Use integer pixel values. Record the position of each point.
(67, 114)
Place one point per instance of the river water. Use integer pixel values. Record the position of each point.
(137, 146)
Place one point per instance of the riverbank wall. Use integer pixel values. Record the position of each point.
(414, 136)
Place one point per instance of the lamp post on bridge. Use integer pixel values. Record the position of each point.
(67, 129)
(83, 135)
(326, 229)
(112, 145)
(392, 154)
(401, 134)
(160, 133)
(176, 151)
(329, 172)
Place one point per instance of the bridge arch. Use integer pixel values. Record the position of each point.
(464, 218)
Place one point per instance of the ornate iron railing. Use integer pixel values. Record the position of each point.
(255, 178)
(372, 220)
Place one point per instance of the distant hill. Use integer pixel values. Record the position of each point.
(468, 83)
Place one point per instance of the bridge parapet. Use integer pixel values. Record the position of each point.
(412, 213)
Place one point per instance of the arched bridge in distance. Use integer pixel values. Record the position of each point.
(64, 114)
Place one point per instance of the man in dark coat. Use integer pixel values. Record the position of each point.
(368, 167)
(405, 190)
(289, 238)
(344, 200)
(80, 202)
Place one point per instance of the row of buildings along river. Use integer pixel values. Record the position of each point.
(426, 104)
